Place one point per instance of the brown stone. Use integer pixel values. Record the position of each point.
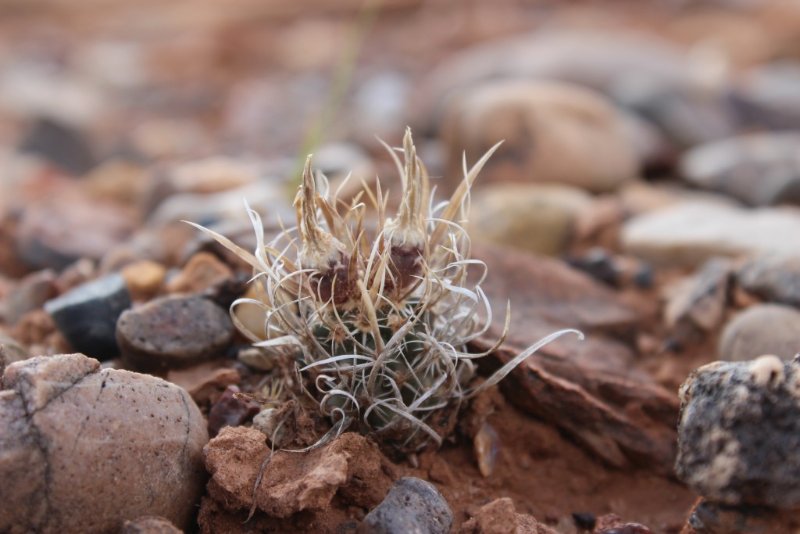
(201, 272)
(500, 517)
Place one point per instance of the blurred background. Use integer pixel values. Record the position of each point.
(119, 116)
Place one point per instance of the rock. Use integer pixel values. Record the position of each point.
(118, 180)
(613, 524)
(149, 525)
(173, 332)
(56, 233)
(201, 272)
(28, 294)
(553, 133)
(697, 304)
(614, 271)
(412, 505)
(692, 232)
(758, 169)
(144, 278)
(533, 217)
(61, 144)
(766, 96)
(10, 352)
(87, 315)
(738, 432)
(500, 517)
(773, 278)
(349, 466)
(601, 60)
(708, 517)
(205, 380)
(70, 432)
(761, 329)
(230, 409)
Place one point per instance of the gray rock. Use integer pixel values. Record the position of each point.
(739, 432)
(412, 506)
(87, 315)
(773, 278)
(758, 169)
(691, 232)
(698, 303)
(29, 294)
(84, 449)
(767, 96)
(173, 332)
(61, 144)
(761, 329)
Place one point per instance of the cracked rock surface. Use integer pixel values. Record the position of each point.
(84, 449)
(739, 432)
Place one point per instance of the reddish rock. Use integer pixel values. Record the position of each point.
(500, 517)
(201, 272)
(230, 409)
(149, 525)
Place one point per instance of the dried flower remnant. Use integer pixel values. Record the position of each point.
(379, 319)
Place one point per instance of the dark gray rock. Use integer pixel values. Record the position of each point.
(412, 506)
(758, 169)
(766, 97)
(61, 145)
(761, 329)
(173, 332)
(739, 432)
(773, 278)
(87, 315)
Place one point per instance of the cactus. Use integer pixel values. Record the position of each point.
(378, 318)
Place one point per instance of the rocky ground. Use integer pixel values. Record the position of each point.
(646, 193)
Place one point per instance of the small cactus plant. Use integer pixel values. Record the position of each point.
(377, 317)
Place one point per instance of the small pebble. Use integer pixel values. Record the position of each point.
(412, 505)
(173, 332)
(144, 278)
(201, 272)
(761, 329)
(230, 410)
(87, 315)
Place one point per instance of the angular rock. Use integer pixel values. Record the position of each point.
(70, 431)
(173, 332)
(613, 524)
(761, 329)
(773, 278)
(554, 133)
(500, 517)
(293, 482)
(205, 380)
(412, 505)
(692, 232)
(532, 217)
(149, 525)
(87, 315)
(697, 305)
(230, 410)
(758, 169)
(739, 432)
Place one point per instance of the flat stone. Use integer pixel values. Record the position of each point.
(149, 525)
(739, 432)
(758, 169)
(774, 278)
(697, 304)
(61, 144)
(412, 505)
(173, 332)
(87, 315)
(69, 431)
(692, 232)
(201, 272)
(761, 329)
